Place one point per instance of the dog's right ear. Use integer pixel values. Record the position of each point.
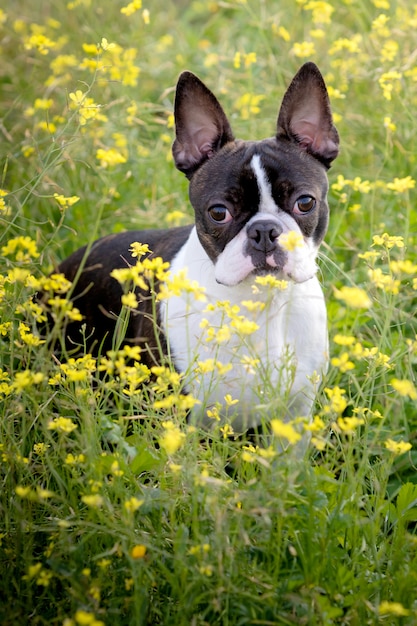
(201, 125)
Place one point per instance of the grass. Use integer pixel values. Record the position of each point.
(112, 509)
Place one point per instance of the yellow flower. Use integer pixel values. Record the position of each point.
(39, 42)
(337, 399)
(131, 8)
(397, 447)
(229, 400)
(282, 32)
(93, 499)
(27, 337)
(304, 50)
(344, 340)
(26, 378)
(321, 11)
(130, 300)
(316, 425)
(291, 240)
(389, 124)
(285, 430)
(40, 448)
(173, 439)
(23, 248)
(62, 424)
(349, 424)
(137, 249)
(179, 284)
(400, 185)
(271, 282)
(354, 297)
(389, 83)
(243, 326)
(84, 618)
(384, 281)
(405, 267)
(405, 388)
(248, 105)
(110, 157)
(138, 551)
(227, 431)
(253, 305)
(133, 504)
(389, 50)
(343, 363)
(65, 201)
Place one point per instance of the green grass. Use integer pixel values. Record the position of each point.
(115, 511)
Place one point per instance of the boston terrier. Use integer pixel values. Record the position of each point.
(260, 211)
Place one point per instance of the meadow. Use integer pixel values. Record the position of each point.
(113, 509)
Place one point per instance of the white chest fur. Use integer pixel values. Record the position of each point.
(275, 368)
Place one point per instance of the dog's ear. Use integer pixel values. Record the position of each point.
(305, 115)
(201, 125)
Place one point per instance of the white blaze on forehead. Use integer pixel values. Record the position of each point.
(267, 203)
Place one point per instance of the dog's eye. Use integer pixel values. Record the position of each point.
(304, 204)
(220, 214)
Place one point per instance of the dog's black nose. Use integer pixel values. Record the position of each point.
(263, 236)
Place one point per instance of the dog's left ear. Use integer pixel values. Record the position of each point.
(305, 115)
(201, 125)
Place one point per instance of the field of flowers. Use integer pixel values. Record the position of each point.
(114, 510)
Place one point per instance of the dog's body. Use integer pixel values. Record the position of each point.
(249, 198)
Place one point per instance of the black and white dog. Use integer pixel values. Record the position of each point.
(251, 198)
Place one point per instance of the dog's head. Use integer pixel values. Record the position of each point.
(260, 206)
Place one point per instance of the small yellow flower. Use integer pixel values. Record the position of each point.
(40, 448)
(405, 388)
(229, 400)
(110, 157)
(138, 551)
(223, 334)
(344, 340)
(84, 618)
(23, 248)
(343, 363)
(397, 447)
(285, 430)
(291, 240)
(355, 297)
(227, 431)
(130, 300)
(401, 185)
(316, 425)
(173, 439)
(337, 399)
(349, 424)
(65, 201)
(393, 608)
(62, 424)
(321, 11)
(131, 8)
(271, 282)
(389, 124)
(243, 326)
(388, 241)
(93, 500)
(282, 32)
(26, 378)
(304, 49)
(133, 504)
(105, 45)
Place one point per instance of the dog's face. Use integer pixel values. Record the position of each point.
(260, 206)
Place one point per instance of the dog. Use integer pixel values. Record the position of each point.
(250, 198)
